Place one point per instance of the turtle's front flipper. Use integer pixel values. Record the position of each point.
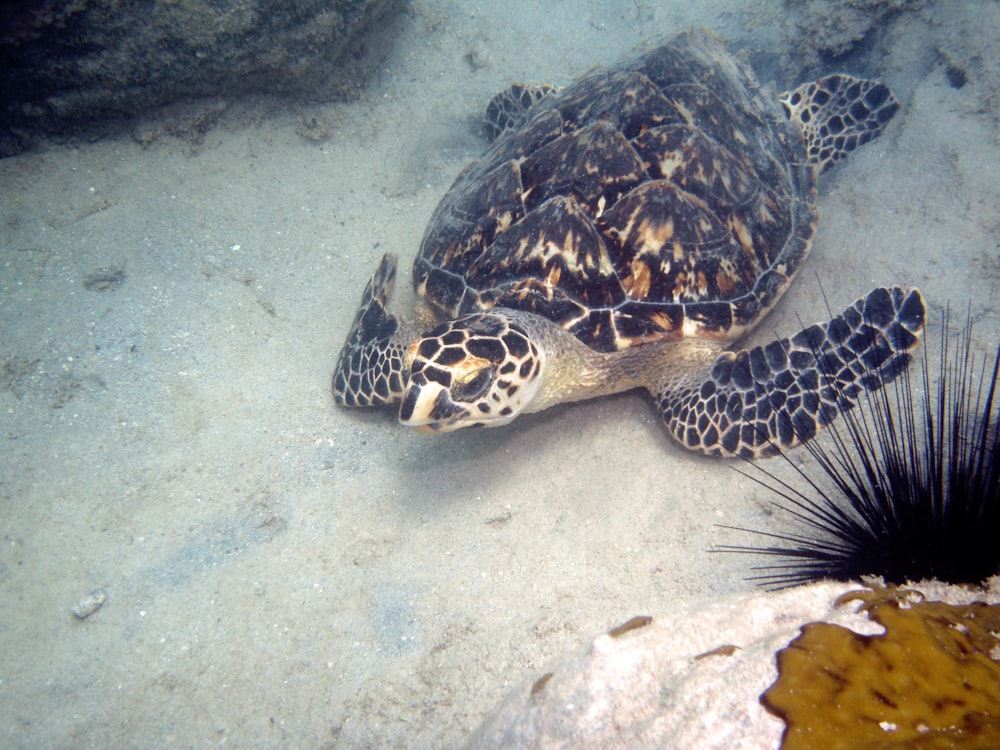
(509, 108)
(757, 402)
(370, 369)
(837, 114)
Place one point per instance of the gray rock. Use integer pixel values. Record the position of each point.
(89, 604)
(73, 66)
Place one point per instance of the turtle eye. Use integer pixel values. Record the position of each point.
(473, 387)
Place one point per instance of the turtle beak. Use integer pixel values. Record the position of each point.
(427, 406)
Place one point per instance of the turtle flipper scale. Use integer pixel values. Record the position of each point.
(508, 109)
(370, 369)
(838, 113)
(758, 402)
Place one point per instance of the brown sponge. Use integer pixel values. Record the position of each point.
(931, 680)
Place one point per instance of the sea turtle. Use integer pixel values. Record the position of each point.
(618, 234)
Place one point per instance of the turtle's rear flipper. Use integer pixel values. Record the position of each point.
(509, 108)
(758, 402)
(369, 370)
(837, 114)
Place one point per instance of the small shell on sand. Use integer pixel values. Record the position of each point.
(89, 604)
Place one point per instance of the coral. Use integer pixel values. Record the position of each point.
(931, 680)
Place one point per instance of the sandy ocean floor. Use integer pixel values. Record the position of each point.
(283, 573)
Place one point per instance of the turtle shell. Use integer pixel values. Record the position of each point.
(666, 197)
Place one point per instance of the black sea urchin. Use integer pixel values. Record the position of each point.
(911, 487)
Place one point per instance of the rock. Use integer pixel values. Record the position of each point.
(75, 66)
(89, 604)
(691, 678)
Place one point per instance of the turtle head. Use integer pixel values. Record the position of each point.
(478, 371)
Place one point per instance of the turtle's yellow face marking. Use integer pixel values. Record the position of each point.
(478, 371)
